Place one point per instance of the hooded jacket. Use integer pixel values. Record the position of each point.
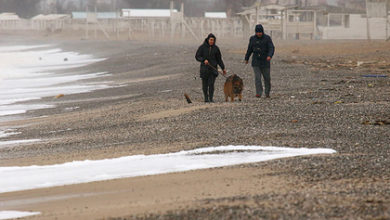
(261, 48)
(210, 53)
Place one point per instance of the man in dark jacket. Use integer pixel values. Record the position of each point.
(262, 48)
(209, 56)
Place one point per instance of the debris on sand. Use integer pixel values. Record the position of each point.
(372, 67)
(187, 98)
(378, 122)
(59, 96)
(359, 63)
(374, 76)
(382, 122)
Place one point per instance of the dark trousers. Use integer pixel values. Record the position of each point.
(266, 73)
(208, 87)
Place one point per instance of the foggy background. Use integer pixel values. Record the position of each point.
(193, 8)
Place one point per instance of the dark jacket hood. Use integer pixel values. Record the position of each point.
(259, 28)
(206, 41)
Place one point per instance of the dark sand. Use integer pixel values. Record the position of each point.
(319, 99)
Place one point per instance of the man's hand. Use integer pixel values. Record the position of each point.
(269, 59)
(224, 72)
(206, 62)
(246, 61)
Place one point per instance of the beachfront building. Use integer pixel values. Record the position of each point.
(154, 22)
(270, 16)
(371, 24)
(10, 21)
(50, 22)
(287, 22)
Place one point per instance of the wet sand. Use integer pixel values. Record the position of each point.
(312, 105)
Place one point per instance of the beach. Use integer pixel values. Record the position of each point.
(325, 94)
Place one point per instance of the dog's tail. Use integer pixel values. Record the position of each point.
(187, 98)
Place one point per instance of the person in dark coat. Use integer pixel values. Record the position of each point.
(262, 48)
(209, 56)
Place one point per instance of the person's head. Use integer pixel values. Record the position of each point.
(211, 39)
(259, 30)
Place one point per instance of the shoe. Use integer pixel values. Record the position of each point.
(258, 96)
(267, 96)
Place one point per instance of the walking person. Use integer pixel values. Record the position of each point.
(262, 48)
(209, 56)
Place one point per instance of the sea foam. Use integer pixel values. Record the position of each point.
(29, 73)
(32, 177)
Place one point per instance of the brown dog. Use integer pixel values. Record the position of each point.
(233, 87)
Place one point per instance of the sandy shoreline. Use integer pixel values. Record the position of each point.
(311, 106)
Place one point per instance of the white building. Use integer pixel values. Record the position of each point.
(215, 15)
(147, 13)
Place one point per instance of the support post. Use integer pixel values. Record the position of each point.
(171, 20)
(284, 23)
(368, 22)
(327, 28)
(117, 24)
(315, 24)
(182, 20)
(298, 23)
(257, 11)
(116, 19)
(95, 31)
(86, 22)
(387, 21)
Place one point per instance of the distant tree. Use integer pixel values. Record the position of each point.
(147, 4)
(235, 6)
(23, 8)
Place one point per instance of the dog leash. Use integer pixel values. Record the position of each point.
(217, 70)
